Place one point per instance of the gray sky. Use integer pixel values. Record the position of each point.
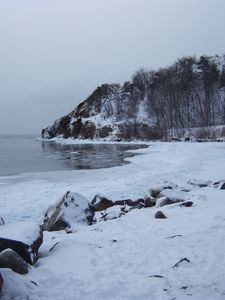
(54, 53)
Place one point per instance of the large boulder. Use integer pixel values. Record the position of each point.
(69, 211)
(10, 259)
(24, 238)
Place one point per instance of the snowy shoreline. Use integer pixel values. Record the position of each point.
(88, 265)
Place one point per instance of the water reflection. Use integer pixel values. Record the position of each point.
(89, 156)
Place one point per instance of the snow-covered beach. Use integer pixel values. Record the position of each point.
(116, 259)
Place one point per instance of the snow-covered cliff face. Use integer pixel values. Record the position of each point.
(190, 93)
(111, 112)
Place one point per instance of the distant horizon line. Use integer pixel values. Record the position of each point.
(18, 134)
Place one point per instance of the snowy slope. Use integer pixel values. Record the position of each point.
(188, 94)
(118, 259)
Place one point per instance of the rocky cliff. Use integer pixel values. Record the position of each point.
(111, 111)
(190, 93)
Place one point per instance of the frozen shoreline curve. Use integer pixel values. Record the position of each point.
(116, 259)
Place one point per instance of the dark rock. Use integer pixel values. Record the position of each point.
(68, 212)
(22, 249)
(101, 203)
(129, 202)
(222, 186)
(160, 215)
(25, 238)
(10, 259)
(187, 204)
(1, 282)
(149, 201)
(155, 193)
(2, 222)
(37, 242)
(137, 206)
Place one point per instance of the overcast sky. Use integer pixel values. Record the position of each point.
(54, 53)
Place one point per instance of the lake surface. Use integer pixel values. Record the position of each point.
(24, 154)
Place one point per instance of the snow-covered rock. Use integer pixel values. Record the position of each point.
(199, 182)
(25, 238)
(167, 201)
(155, 190)
(69, 211)
(112, 213)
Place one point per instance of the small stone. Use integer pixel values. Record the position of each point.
(2, 222)
(160, 215)
(187, 204)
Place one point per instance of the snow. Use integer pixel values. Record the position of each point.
(26, 231)
(118, 258)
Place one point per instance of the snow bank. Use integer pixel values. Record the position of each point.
(119, 258)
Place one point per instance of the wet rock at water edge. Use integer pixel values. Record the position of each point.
(69, 211)
(160, 215)
(10, 259)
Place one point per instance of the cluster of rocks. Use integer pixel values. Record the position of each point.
(19, 250)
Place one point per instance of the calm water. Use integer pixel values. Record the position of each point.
(22, 154)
